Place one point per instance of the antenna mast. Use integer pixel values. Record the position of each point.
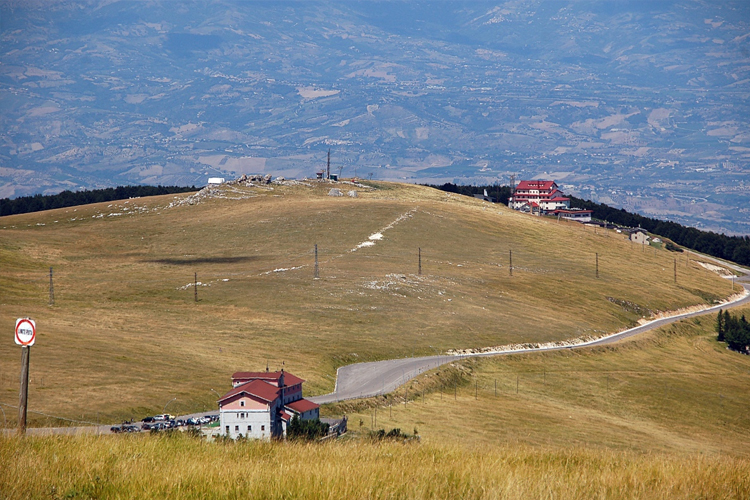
(328, 169)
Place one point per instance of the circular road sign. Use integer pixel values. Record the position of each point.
(25, 331)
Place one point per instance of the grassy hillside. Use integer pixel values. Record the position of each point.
(125, 335)
(673, 424)
(675, 390)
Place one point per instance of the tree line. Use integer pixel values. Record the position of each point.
(39, 202)
(734, 248)
(734, 331)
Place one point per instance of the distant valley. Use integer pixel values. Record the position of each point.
(641, 105)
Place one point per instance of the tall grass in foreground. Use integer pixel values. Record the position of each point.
(182, 467)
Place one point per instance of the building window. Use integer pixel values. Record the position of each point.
(227, 430)
(242, 403)
(242, 415)
(249, 428)
(236, 428)
(262, 427)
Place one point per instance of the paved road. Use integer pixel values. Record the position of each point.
(381, 377)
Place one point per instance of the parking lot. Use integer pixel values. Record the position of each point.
(164, 422)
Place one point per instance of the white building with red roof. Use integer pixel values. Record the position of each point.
(260, 405)
(538, 197)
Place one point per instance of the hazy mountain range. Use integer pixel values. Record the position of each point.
(640, 104)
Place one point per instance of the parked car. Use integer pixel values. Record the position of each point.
(115, 429)
(148, 419)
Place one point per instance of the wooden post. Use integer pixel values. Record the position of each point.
(195, 287)
(675, 270)
(420, 261)
(316, 275)
(24, 393)
(51, 289)
(510, 265)
(597, 264)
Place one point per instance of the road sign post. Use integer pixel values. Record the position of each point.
(24, 393)
(25, 336)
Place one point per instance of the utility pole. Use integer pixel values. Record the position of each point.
(317, 274)
(597, 264)
(420, 261)
(675, 270)
(510, 265)
(328, 168)
(195, 287)
(24, 394)
(51, 289)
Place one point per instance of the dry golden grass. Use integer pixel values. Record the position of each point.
(135, 467)
(676, 390)
(125, 336)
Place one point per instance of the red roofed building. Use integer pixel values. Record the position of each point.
(545, 194)
(260, 405)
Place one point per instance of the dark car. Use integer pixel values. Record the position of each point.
(115, 429)
(148, 419)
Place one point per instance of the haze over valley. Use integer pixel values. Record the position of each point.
(642, 105)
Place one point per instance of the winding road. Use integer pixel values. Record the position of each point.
(362, 380)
